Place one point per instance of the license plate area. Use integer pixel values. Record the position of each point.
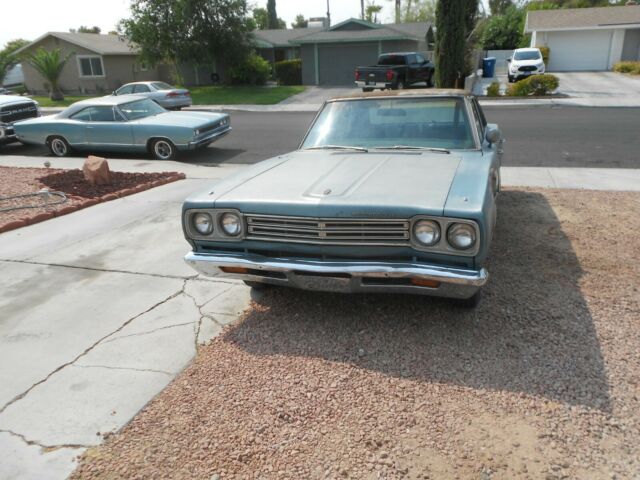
(333, 282)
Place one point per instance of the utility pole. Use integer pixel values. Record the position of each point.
(362, 9)
(328, 14)
(398, 11)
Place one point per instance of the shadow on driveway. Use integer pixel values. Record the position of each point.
(532, 333)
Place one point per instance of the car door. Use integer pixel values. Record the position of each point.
(125, 90)
(421, 68)
(142, 89)
(108, 130)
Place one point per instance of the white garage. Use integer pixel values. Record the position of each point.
(586, 39)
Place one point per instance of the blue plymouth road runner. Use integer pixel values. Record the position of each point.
(388, 192)
(126, 123)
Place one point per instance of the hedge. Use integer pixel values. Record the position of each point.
(255, 70)
(534, 85)
(545, 54)
(493, 90)
(627, 67)
(289, 72)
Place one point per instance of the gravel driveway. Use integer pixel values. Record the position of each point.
(541, 381)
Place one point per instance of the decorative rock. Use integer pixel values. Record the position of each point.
(96, 171)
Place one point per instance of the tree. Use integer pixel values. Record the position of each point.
(209, 30)
(272, 15)
(499, 7)
(49, 64)
(450, 42)
(504, 32)
(8, 58)
(371, 12)
(261, 18)
(300, 22)
(84, 29)
(419, 11)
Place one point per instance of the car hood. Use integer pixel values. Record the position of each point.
(11, 99)
(343, 184)
(525, 63)
(182, 119)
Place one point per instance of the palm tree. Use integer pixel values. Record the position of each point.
(49, 64)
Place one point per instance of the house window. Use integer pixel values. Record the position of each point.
(90, 66)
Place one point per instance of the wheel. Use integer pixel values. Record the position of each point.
(162, 149)
(367, 90)
(59, 146)
(399, 85)
(256, 285)
(471, 302)
(430, 81)
(510, 79)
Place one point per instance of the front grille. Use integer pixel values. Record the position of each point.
(528, 68)
(330, 231)
(18, 111)
(211, 127)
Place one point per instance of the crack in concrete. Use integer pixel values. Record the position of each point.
(91, 347)
(205, 315)
(105, 270)
(149, 370)
(48, 448)
(147, 332)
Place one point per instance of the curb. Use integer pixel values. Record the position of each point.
(41, 217)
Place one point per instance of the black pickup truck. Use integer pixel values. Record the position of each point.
(396, 71)
(12, 109)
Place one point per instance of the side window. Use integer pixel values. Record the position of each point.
(481, 116)
(102, 114)
(411, 60)
(127, 89)
(83, 115)
(140, 88)
(420, 59)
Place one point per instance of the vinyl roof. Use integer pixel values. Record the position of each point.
(582, 18)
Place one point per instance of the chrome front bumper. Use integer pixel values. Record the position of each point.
(208, 139)
(345, 277)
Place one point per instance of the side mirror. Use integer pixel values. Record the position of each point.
(493, 135)
(508, 60)
(114, 93)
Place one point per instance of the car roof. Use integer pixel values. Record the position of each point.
(528, 49)
(431, 92)
(110, 100)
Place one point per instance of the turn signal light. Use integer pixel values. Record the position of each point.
(357, 75)
(422, 282)
(234, 270)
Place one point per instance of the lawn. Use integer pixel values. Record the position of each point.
(211, 95)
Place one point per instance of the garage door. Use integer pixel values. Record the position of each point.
(337, 63)
(571, 51)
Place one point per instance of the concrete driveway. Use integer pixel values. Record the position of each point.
(98, 313)
(600, 86)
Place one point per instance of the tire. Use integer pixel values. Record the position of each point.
(471, 302)
(163, 149)
(430, 81)
(399, 85)
(58, 146)
(367, 90)
(510, 79)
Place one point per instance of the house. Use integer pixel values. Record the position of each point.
(331, 55)
(276, 45)
(586, 38)
(102, 63)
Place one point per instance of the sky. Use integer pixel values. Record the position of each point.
(30, 19)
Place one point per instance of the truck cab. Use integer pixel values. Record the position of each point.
(395, 71)
(12, 109)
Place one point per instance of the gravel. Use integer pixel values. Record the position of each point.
(540, 381)
(18, 181)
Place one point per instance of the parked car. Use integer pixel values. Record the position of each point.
(12, 109)
(162, 93)
(396, 71)
(127, 123)
(525, 62)
(388, 192)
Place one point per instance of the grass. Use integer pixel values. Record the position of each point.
(211, 95)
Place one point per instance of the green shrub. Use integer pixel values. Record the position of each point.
(545, 54)
(255, 70)
(493, 90)
(534, 85)
(289, 72)
(627, 67)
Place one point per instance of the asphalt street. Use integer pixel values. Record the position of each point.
(545, 136)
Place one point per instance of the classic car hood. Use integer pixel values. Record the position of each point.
(183, 119)
(344, 184)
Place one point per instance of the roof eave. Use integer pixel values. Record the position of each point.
(355, 40)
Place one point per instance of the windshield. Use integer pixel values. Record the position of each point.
(162, 86)
(388, 122)
(141, 109)
(530, 55)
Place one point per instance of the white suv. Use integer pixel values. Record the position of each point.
(525, 62)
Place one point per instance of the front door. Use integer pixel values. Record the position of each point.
(107, 130)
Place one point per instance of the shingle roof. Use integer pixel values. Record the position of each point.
(392, 31)
(281, 38)
(576, 18)
(99, 43)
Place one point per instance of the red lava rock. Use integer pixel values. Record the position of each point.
(41, 217)
(96, 171)
(12, 225)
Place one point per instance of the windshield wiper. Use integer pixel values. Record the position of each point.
(337, 147)
(413, 147)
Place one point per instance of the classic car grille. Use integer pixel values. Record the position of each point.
(332, 231)
(20, 111)
(528, 68)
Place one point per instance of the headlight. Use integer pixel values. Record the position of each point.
(203, 223)
(461, 236)
(426, 232)
(231, 224)
(224, 121)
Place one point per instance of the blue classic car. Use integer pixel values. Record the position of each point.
(388, 192)
(126, 123)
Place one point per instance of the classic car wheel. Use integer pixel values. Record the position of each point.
(163, 149)
(58, 146)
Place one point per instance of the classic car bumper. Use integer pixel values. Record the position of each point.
(344, 276)
(363, 84)
(201, 142)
